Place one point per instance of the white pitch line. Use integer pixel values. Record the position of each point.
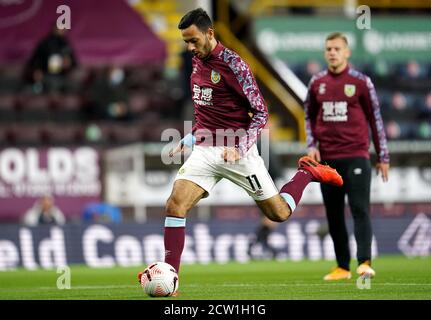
(95, 287)
(305, 284)
(252, 285)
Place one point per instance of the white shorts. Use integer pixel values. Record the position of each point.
(205, 167)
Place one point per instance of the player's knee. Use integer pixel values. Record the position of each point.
(283, 217)
(283, 212)
(279, 216)
(175, 208)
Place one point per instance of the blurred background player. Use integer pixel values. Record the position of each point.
(224, 91)
(340, 107)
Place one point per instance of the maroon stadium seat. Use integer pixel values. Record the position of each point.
(66, 108)
(7, 108)
(62, 134)
(33, 108)
(3, 136)
(127, 133)
(24, 134)
(139, 103)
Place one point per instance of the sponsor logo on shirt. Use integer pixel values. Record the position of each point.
(334, 111)
(322, 88)
(202, 96)
(349, 90)
(215, 77)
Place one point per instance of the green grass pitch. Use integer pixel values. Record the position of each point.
(397, 278)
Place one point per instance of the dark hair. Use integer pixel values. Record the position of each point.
(198, 17)
(337, 35)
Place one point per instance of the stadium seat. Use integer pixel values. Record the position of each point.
(423, 130)
(61, 134)
(413, 70)
(7, 108)
(10, 78)
(127, 133)
(66, 108)
(34, 108)
(424, 103)
(400, 130)
(141, 77)
(98, 132)
(402, 107)
(139, 103)
(77, 79)
(385, 101)
(24, 134)
(3, 136)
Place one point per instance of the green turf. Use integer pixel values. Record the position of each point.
(397, 278)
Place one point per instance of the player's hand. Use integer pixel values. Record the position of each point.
(314, 154)
(383, 168)
(180, 147)
(230, 154)
(186, 143)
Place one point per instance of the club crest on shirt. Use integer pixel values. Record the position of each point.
(215, 77)
(349, 90)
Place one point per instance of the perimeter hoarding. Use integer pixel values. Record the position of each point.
(70, 175)
(104, 245)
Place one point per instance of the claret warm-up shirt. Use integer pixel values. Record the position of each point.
(339, 110)
(226, 99)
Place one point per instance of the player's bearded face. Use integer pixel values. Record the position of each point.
(202, 47)
(198, 42)
(206, 48)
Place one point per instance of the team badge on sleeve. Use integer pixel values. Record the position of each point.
(215, 77)
(349, 90)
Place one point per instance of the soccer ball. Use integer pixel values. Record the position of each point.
(159, 279)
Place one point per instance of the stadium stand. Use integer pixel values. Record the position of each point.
(403, 89)
(45, 118)
(155, 97)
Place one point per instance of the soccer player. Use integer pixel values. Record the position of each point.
(340, 107)
(224, 92)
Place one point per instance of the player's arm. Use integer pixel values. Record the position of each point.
(311, 109)
(371, 107)
(245, 85)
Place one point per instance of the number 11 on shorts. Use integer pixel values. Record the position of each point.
(254, 185)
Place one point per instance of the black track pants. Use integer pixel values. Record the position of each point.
(356, 173)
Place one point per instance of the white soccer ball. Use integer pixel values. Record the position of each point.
(159, 279)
